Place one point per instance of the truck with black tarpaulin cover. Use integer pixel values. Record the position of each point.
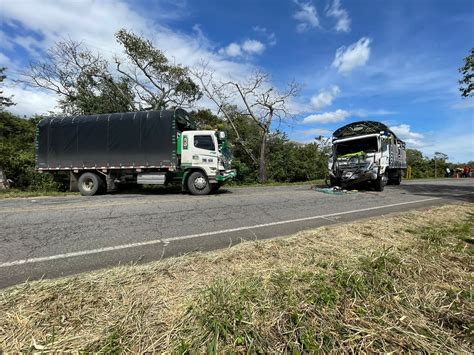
(100, 152)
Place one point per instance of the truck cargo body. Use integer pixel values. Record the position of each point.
(117, 140)
(366, 152)
(133, 147)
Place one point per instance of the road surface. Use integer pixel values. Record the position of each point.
(57, 236)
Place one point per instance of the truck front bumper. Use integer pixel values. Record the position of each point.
(347, 178)
(226, 175)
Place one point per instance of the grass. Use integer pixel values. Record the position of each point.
(401, 283)
(15, 193)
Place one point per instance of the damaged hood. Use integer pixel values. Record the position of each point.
(361, 128)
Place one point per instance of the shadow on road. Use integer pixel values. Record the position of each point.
(459, 193)
(157, 190)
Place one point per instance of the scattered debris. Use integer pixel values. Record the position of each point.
(336, 190)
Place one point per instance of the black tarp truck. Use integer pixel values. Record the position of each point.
(366, 152)
(100, 152)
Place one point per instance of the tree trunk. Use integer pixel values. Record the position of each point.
(262, 169)
(3, 181)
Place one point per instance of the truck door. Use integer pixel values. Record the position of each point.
(200, 149)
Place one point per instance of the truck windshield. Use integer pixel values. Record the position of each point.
(366, 145)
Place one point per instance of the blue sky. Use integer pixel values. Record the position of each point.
(394, 61)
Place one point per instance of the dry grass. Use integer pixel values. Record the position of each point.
(387, 284)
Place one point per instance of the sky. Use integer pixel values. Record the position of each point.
(394, 61)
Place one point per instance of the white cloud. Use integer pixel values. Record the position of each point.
(307, 16)
(356, 55)
(343, 23)
(4, 60)
(325, 97)
(269, 36)
(380, 112)
(459, 150)
(315, 132)
(463, 105)
(253, 46)
(404, 132)
(328, 117)
(232, 50)
(29, 101)
(90, 22)
(249, 46)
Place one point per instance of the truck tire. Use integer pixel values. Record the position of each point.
(198, 184)
(380, 183)
(334, 182)
(397, 180)
(215, 187)
(90, 184)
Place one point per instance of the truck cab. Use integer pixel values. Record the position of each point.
(366, 152)
(206, 158)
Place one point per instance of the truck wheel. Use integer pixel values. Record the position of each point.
(397, 180)
(215, 187)
(380, 183)
(334, 182)
(198, 184)
(89, 184)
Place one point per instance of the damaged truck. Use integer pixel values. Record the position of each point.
(102, 152)
(366, 152)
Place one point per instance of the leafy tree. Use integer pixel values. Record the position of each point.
(81, 79)
(157, 82)
(4, 100)
(17, 153)
(467, 71)
(86, 84)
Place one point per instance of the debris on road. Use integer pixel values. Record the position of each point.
(336, 190)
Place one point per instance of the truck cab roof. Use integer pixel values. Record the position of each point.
(361, 128)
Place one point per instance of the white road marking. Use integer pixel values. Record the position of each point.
(166, 241)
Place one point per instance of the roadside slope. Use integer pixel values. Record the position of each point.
(391, 283)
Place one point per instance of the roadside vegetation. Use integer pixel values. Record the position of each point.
(288, 162)
(146, 79)
(400, 283)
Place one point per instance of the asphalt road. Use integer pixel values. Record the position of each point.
(56, 236)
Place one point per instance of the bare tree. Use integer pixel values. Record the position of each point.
(256, 98)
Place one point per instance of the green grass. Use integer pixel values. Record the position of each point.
(349, 307)
(15, 193)
(407, 286)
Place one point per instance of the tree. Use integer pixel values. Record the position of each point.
(4, 100)
(81, 79)
(439, 157)
(86, 82)
(17, 153)
(156, 81)
(257, 100)
(467, 70)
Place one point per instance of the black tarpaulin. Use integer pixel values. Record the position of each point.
(360, 128)
(130, 139)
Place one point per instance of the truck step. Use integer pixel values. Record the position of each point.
(151, 179)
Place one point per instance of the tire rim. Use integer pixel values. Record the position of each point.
(88, 184)
(200, 183)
